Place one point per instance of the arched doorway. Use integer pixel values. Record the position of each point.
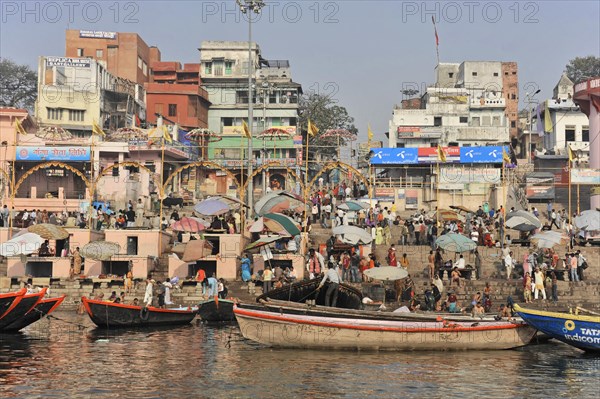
(55, 175)
(208, 165)
(287, 182)
(329, 166)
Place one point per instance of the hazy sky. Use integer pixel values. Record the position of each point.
(361, 52)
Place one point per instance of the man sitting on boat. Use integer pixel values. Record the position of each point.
(334, 285)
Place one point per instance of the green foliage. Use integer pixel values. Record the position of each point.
(18, 85)
(583, 68)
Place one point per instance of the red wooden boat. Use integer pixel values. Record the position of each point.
(9, 301)
(27, 302)
(43, 308)
(111, 315)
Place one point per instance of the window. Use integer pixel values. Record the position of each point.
(275, 122)
(172, 109)
(463, 119)
(241, 97)
(474, 73)
(227, 121)
(450, 74)
(513, 124)
(485, 121)
(158, 108)
(496, 121)
(495, 73)
(514, 73)
(55, 114)
(585, 133)
(245, 67)
(505, 73)
(475, 121)
(513, 96)
(569, 133)
(76, 115)
(99, 53)
(437, 121)
(218, 68)
(208, 68)
(228, 67)
(293, 121)
(140, 62)
(145, 68)
(79, 52)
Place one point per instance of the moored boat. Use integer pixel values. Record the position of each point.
(216, 310)
(319, 332)
(580, 331)
(42, 309)
(348, 296)
(27, 302)
(9, 300)
(112, 315)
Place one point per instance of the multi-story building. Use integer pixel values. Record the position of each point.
(224, 73)
(125, 55)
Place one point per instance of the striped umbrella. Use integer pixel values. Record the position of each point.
(281, 224)
(189, 225)
(353, 206)
(49, 231)
(455, 243)
(276, 202)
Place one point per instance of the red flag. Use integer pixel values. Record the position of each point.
(437, 39)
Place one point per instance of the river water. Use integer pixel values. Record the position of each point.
(60, 359)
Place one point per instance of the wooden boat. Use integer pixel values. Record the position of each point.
(216, 310)
(580, 331)
(42, 309)
(324, 311)
(27, 302)
(318, 332)
(111, 315)
(348, 296)
(9, 301)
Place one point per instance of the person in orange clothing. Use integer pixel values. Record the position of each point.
(201, 278)
(404, 261)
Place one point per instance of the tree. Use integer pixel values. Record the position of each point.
(582, 68)
(325, 114)
(18, 85)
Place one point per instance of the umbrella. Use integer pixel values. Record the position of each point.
(212, 207)
(262, 242)
(548, 239)
(189, 225)
(127, 133)
(522, 221)
(353, 234)
(455, 243)
(341, 133)
(588, 220)
(353, 206)
(100, 250)
(281, 224)
(274, 133)
(54, 133)
(24, 244)
(203, 136)
(232, 202)
(447, 215)
(390, 273)
(49, 231)
(276, 202)
(257, 226)
(461, 208)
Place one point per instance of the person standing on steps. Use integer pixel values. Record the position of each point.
(331, 294)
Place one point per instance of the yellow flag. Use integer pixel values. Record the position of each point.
(246, 129)
(96, 129)
(312, 128)
(370, 133)
(548, 126)
(166, 134)
(571, 154)
(441, 154)
(19, 127)
(505, 157)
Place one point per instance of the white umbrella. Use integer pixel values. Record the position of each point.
(588, 220)
(24, 244)
(257, 226)
(390, 273)
(353, 234)
(548, 239)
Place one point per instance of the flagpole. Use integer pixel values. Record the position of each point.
(306, 189)
(241, 183)
(570, 213)
(437, 195)
(12, 190)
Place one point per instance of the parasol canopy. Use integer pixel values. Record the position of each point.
(203, 135)
(390, 273)
(257, 226)
(274, 133)
(455, 243)
(588, 220)
(281, 224)
(277, 202)
(128, 133)
(353, 235)
(447, 215)
(212, 207)
(548, 239)
(49, 231)
(24, 244)
(522, 221)
(341, 133)
(54, 133)
(263, 241)
(189, 225)
(353, 206)
(460, 208)
(100, 250)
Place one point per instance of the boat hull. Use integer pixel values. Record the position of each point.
(113, 315)
(9, 301)
(26, 304)
(311, 332)
(213, 310)
(582, 332)
(42, 309)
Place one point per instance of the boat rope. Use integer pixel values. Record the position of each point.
(79, 325)
(312, 292)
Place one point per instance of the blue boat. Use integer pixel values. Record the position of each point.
(580, 331)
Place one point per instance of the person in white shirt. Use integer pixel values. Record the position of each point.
(475, 234)
(509, 263)
(334, 285)
(460, 263)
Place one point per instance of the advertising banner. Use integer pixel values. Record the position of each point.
(68, 62)
(66, 154)
(429, 155)
(394, 156)
(585, 176)
(491, 154)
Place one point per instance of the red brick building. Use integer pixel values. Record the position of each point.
(176, 93)
(126, 54)
(510, 92)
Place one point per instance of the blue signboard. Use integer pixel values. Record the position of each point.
(53, 153)
(395, 156)
(492, 154)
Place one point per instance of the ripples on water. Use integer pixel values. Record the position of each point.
(56, 360)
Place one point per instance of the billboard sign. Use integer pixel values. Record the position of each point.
(585, 176)
(97, 34)
(66, 154)
(491, 154)
(429, 154)
(68, 62)
(395, 156)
